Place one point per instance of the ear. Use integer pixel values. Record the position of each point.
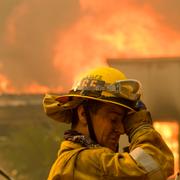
(81, 115)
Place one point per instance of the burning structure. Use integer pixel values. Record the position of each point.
(160, 78)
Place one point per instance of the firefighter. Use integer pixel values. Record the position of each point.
(102, 105)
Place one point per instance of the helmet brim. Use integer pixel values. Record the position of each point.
(59, 107)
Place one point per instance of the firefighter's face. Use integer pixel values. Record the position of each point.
(108, 126)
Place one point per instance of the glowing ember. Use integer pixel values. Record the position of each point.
(169, 131)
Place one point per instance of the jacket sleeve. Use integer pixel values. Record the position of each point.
(149, 158)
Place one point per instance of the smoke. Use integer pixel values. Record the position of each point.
(46, 43)
(27, 37)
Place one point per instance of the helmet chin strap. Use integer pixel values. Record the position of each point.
(89, 122)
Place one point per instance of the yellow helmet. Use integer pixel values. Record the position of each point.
(104, 84)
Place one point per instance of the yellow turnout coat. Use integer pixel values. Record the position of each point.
(149, 158)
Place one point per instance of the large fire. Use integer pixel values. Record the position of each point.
(103, 29)
(113, 30)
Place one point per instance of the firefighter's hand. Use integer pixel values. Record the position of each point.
(136, 121)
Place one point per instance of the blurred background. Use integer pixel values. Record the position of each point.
(43, 46)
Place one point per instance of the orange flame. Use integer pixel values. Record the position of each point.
(104, 29)
(36, 88)
(169, 131)
(33, 88)
(5, 85)
(113, 29)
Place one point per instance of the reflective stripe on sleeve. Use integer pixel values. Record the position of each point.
(148, 163)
